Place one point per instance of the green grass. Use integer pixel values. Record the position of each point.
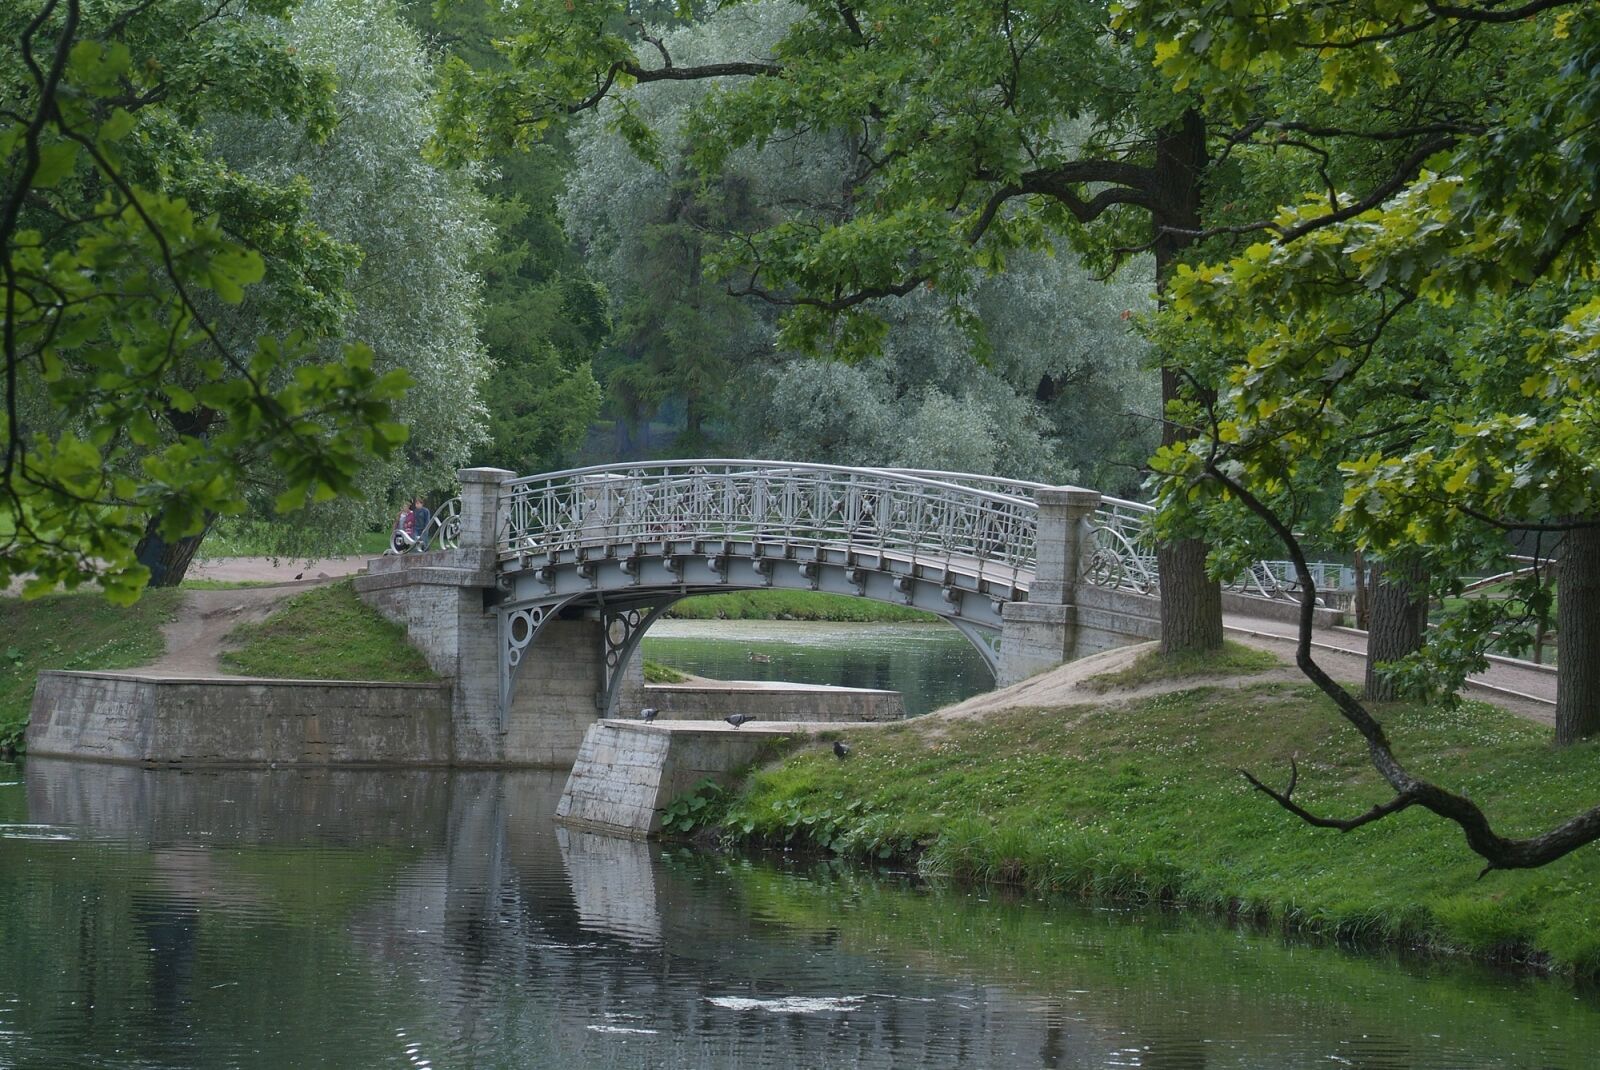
(657, 673)
(71, 631)
(240, 537)
(1153, 666)
(1143, 801)
(325, 634)
(794, 605)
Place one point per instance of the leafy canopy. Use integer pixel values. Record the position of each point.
(111, 267)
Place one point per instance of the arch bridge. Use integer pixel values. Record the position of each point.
(534, 591)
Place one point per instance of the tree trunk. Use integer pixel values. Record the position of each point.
(1578, 636)
(168, 562)
(1398, 620)
(1362, 605)
(1191, 602)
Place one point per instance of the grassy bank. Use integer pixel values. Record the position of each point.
(325, 634)
(1143, 801)
(71, 631)
(243, 537)
(795, 605)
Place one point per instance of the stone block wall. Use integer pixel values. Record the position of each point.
(628, 771)
(439, 599)
(555, 693)
(770, 702)
(243, 721)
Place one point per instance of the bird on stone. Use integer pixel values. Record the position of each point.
(647, 714)
(840, 749)
(737, 719)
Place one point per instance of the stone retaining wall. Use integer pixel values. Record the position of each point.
(713, 700)
(168, 721)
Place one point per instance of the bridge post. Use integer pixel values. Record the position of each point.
(1042, 632)
(480, 506)
(442, 599)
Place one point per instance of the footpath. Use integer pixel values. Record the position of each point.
(1519, 686)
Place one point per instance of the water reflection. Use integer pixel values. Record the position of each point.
(423, 918)
(930, 664)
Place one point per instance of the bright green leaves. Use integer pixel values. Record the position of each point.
(134, 407)
(1222, 47)
(1417, 375)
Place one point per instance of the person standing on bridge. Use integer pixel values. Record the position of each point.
(419, 521)
(402, 539)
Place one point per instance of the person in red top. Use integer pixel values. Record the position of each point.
(402, 538)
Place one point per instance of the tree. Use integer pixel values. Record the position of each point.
(1034, 371)
(120, 238)
(971, 134)
(1487, 229)
(414, 230)
(543, 318)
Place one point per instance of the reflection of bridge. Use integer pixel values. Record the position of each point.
(537, 608)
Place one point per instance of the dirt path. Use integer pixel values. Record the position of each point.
(194, 636)
(1525, 689)
(281, 570)
(1340, 651)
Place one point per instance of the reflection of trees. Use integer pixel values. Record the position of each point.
(323, 913)
(170, 937)
(932, 668)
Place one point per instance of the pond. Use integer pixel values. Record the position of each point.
(440, 919)
(930, 664)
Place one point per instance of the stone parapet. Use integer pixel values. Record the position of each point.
(1279, 609)
(1058, 546)
(480, 506)
(451, 568)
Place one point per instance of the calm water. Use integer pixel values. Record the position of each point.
(930, 664)
(433, 919)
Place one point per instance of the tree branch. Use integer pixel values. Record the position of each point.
(1285, 799)
(1499, 851)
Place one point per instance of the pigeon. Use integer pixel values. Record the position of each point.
(647, 714)
(840, 749)
(737, 719)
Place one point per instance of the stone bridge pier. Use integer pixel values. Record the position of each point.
(1065, 617)
(446, 600)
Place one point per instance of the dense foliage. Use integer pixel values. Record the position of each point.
(126, 406)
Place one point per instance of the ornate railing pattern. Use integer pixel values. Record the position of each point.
(923, 519)
(990, 524)
(443, 532)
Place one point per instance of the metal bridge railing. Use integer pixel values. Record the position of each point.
(985, 524)
(925, 520)
(442, 533)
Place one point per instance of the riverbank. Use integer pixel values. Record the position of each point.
(300, 630)
(1134, 794)
(796, 605)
